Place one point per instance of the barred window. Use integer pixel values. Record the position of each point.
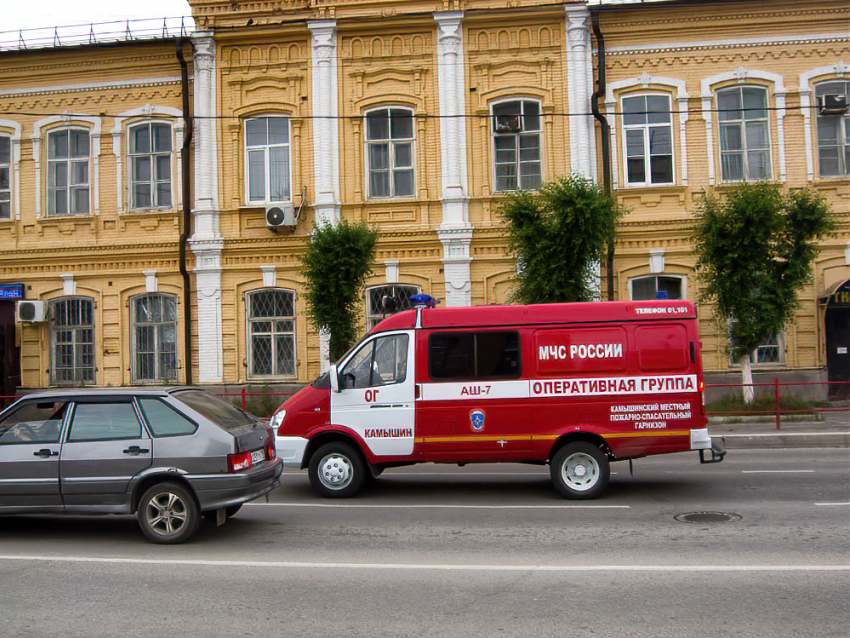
(5, 179)
(389, 152)
(648, 139)
(154, 345)
(72, 341)
(516, 141)
(271, 333)
(150, 166)
(833, 129)
(771, 350)
(744, 136)
(383, 301)
(267, 160)
(68, 175)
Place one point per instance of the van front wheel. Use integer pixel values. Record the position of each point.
(580, 470)
(337, 470)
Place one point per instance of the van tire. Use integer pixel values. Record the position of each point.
(337, 470)
(580, 470)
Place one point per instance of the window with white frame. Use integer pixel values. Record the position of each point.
(389, 152)
(516, 144)
(744, 133)
(769, 351)
(833, 128)
(68, 177)
(271, 333)
(72, 341)
(150, 165)
(648, 288)
(648, 140)
(154, 325)
(5, 177)
(267, 159)
(383, 301)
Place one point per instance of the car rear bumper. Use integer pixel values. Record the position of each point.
(215, 491)
(291, 450)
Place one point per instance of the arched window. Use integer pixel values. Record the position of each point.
(383, 301)
(833, 127)
(271, 333)
(648, 288)
(5, 177)
(744, 133)
(72, 341)
(150, 166)
(68, 172)
(516, 145)
(647, 140)
(267, 159)
(389, 152)
(153, 318)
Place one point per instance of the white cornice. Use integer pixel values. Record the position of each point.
(91, 86)
(729, 43)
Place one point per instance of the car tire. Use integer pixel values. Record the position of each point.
(580, 470)
(168, 513)
(228, 512)
(337, 470)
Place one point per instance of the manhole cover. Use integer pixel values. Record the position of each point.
(707, 517)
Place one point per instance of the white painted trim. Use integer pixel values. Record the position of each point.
(270, 277)
(742, 75)
(325, 99)
(839, 70)
(579, 89)
(91, 86)
(839, 36)
(391, 271)
(151, 283)
(15, 158)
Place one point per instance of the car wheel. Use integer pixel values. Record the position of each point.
(580, 470)
(168, 513)
(337, 470)
(229, 512)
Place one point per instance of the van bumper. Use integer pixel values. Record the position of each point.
(700, 439)
(290, 449)
(702, 442)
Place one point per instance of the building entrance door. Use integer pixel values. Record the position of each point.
(838, 340)
(10, 354)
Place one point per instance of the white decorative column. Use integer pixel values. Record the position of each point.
(579, 91)
(206, 243)
(455, 232)
(325, 122)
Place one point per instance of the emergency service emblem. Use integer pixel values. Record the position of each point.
(476, 420)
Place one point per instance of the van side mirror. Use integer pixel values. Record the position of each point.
(333, 376)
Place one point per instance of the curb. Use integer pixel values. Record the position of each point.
(785, 440)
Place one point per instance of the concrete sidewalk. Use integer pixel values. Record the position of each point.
(833, 431)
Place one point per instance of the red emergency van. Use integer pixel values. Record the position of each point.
(575, 386)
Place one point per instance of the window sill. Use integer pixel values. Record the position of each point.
(668, 187)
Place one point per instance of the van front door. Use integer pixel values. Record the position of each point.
(376, 396)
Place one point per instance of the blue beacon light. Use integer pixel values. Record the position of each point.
(421, 300)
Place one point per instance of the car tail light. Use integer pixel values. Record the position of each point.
(270, 450)
(237, 462)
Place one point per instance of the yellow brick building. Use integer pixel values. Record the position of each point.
(403, 114)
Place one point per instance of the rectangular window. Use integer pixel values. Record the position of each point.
(150, 166)
(648, 134)
(271, 333)
(68, 172)
(267, 159)
(5, 177)
(516, 145)
(154, 318)
(474, 355)
(72, 338)
(104, 422)
(833, 129)
(744, 136)
(382, 361)
(389, 142)
(33, 422)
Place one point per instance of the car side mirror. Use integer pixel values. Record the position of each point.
(333, 376)
(348, 381)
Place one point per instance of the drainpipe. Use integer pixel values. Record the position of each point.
(606, 138)
(186, 227)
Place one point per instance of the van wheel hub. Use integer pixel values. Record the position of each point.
(335, 471)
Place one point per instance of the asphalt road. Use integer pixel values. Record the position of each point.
(481, 550)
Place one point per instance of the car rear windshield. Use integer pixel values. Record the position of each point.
(217, 410)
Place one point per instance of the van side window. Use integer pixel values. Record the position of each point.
(474, 355)
(382, 361)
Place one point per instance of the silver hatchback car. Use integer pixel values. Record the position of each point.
(167, 455)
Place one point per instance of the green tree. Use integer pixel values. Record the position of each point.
(755, 250)
(558, 237)
(336, 264)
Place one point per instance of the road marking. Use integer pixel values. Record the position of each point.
(395, 474)
(781, 433)
(831, 504)
(777, 471)
(439, 506)
(428, 566)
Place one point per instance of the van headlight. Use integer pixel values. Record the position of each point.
(277, 419)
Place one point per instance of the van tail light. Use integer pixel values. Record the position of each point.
(237, 462)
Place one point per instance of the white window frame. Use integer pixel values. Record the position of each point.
(682, 278)
(374, 318)
(54, 329)
(843, 133)
(266, 148)
(134, 323)
(646, 127)
(742, 124)
(69, 162)
(517, 162)
(391, 142)
(152, 181)
(6, 193)
(249, 334)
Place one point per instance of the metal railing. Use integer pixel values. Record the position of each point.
(96, 33)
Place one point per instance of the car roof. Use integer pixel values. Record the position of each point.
(107, 392)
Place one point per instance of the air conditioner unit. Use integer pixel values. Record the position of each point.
(508, 124)
(30, 311)
(832, 104)
(280, 216)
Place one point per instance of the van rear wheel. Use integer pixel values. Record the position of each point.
(580, 470)
(337, 470)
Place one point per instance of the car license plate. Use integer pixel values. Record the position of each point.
(258, 456)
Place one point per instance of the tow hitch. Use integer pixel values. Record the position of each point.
(718, 451)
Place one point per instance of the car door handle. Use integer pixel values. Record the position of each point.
(45, 453)
(135, 450)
